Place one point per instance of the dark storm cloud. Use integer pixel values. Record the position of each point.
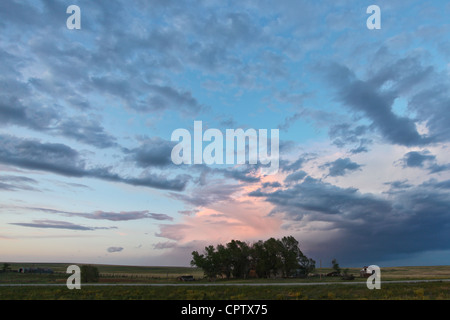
(63, 160)
(341, 167)
(411, 219)
(419, 223)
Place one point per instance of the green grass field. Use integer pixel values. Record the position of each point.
(422, 291)
(160, 275)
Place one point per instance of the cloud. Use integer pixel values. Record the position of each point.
(166, 97)
(204, 195)
(293, 166)
(275, 184)
(417, 159)
(188, 212)
(313, 196)
(296, 176)
(31, 154)
(114, 249)
(341, 167)
(53, 224)
(165, 245)
(395, 185)
(368, 98)
(15, 183)
(344, 134)
(153, 152)
(335, 221)
(52, 121)
(86, 130)
(237, 218)
(112, 216)
(247, 173)
(61, 159)
(425, 160)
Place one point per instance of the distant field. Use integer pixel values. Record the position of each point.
(108, 273)
(161, 275)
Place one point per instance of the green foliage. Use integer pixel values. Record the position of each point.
(307, 265)
(335, 265)
(273, 257)
(6, 266)
(89, 274)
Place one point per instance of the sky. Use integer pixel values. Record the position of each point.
(86, 118)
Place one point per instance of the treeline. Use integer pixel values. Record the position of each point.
(264, 259)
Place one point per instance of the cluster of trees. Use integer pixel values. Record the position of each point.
(6, 267)
(273, 257)
(89, 273)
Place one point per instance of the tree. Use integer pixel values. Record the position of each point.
(89, 273)
(6, 267)
(223, 260)
(268, 258)
(273, 256)
(306, 265)
(239, 258)
(336, 267)
(259, 259)
(290, 255)
(207, 261)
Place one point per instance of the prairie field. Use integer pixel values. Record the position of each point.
(267, 289)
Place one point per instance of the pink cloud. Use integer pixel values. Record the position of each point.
(238, 217)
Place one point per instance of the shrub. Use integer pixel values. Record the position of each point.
(89, 274)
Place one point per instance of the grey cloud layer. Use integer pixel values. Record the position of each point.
(425, 89)
(341, 167)
(112, 216)
(53, 224)
(16, 183)
(61, 159)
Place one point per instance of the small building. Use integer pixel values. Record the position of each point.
(365, 273)
(35, 270)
